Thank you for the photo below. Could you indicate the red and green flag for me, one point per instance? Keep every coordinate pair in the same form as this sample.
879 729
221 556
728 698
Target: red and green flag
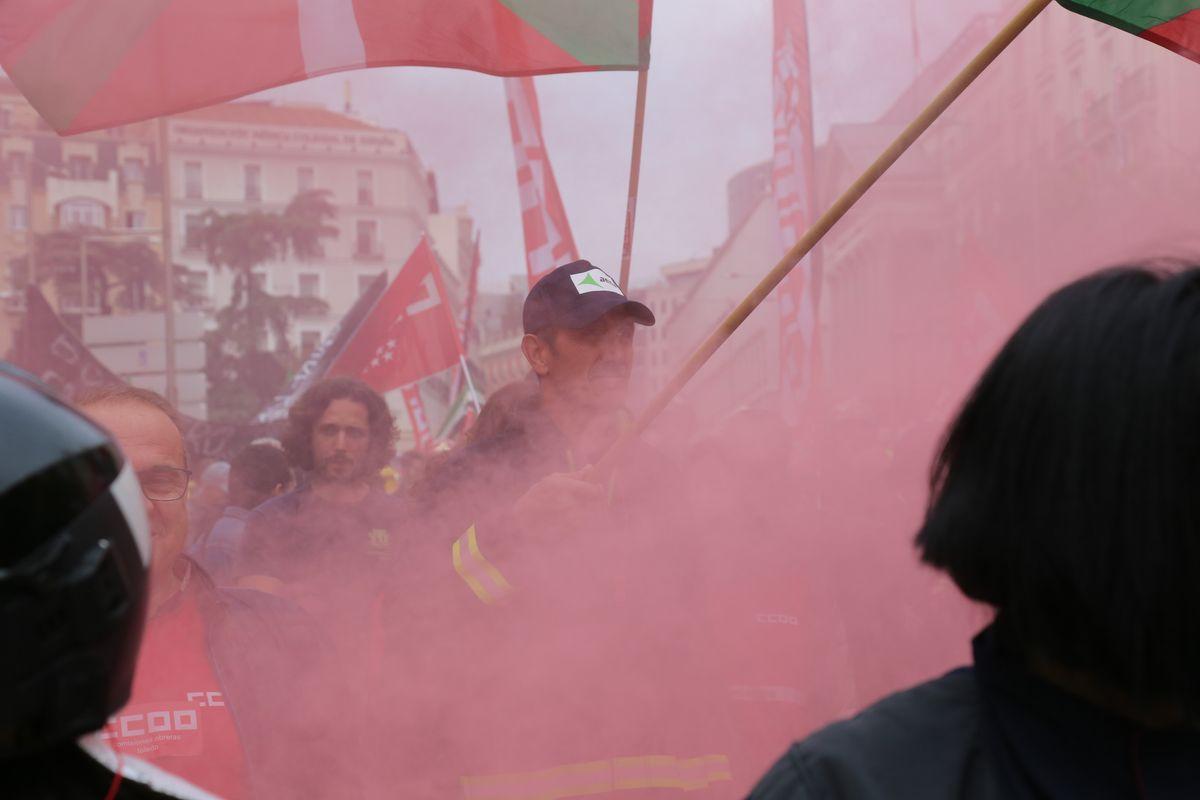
1174 24
88 64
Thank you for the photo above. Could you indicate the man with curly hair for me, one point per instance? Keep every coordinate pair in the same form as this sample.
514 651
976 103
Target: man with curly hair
338 526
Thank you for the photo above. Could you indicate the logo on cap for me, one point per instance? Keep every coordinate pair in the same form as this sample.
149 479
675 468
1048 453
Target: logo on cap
595 280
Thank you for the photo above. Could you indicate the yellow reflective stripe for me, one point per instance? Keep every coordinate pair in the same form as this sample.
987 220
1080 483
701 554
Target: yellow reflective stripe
599 777
488 584
456 554
489 568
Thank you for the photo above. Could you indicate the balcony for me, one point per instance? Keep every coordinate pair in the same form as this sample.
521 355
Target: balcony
104 190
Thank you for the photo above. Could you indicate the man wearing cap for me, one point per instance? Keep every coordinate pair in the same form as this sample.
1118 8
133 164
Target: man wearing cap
493 493
560 623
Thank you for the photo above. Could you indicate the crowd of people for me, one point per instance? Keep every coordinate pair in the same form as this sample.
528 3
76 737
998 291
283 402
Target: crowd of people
507 621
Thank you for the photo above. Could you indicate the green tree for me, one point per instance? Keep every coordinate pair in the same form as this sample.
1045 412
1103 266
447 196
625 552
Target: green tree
243 376
122 274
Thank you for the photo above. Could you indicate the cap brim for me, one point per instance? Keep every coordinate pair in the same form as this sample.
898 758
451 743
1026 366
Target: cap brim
603 302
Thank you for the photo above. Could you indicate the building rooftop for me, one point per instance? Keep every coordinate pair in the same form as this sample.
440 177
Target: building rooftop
261 112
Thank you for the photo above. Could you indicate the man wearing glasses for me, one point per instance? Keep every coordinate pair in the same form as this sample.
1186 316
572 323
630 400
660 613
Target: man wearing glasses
220 669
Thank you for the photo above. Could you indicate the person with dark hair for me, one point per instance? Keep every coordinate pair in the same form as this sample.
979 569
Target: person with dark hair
549 576
1064 497
220 669
256 474
338 523
523 469
207 499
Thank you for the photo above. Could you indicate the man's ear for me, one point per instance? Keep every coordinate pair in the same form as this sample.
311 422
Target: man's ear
537 352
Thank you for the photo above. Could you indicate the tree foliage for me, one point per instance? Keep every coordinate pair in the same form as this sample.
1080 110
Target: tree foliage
243 375
122 274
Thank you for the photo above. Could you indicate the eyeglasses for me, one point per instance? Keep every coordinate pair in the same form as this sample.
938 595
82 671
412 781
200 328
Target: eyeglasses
164 484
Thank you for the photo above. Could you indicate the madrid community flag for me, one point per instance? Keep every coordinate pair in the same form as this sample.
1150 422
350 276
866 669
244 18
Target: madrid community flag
792 181
88 64
409 335
1174 24
548 239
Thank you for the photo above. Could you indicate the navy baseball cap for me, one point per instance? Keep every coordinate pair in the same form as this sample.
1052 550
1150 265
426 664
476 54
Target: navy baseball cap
576 295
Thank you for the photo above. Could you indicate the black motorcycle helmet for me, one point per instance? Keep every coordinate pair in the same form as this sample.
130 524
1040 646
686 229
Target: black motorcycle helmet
74 554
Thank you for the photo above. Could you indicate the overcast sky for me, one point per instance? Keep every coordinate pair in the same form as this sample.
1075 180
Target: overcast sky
708 116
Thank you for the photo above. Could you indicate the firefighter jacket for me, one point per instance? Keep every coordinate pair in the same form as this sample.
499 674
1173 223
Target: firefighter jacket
568 661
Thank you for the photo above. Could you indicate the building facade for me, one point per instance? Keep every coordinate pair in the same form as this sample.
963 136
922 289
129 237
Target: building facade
108 182
236 158
249 157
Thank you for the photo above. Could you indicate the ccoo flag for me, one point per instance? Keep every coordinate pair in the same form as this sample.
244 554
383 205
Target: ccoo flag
548 239
1174 24
415 406
409 335
88 64
792 181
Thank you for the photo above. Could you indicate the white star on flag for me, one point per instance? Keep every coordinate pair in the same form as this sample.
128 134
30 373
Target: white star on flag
385 352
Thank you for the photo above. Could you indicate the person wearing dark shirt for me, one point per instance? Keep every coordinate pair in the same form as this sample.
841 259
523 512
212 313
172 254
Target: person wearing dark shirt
256 474
531 474
338 526
559 602
1064 497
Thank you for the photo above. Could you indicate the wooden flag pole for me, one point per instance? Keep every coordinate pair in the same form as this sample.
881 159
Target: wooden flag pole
635 173
164 136
822 226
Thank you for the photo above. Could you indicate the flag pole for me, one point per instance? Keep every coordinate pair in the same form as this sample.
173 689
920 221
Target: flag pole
168 263
635 164
824 224
635 174
462 360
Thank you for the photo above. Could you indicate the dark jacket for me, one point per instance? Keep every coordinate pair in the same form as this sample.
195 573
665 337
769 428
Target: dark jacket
267 656
591 673
992 731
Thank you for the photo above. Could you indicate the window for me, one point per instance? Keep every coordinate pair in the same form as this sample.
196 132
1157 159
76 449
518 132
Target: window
135 219
17 165
79 167
309 341
365 281
193 183
366 244
366 188
308 284
81 213
305 179
18 218
134 170
253 174
193 231
199 282
260 281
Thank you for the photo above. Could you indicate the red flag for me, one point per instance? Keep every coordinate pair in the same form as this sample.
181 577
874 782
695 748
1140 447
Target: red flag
410 333
415 406
87 64
792 177
548 240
